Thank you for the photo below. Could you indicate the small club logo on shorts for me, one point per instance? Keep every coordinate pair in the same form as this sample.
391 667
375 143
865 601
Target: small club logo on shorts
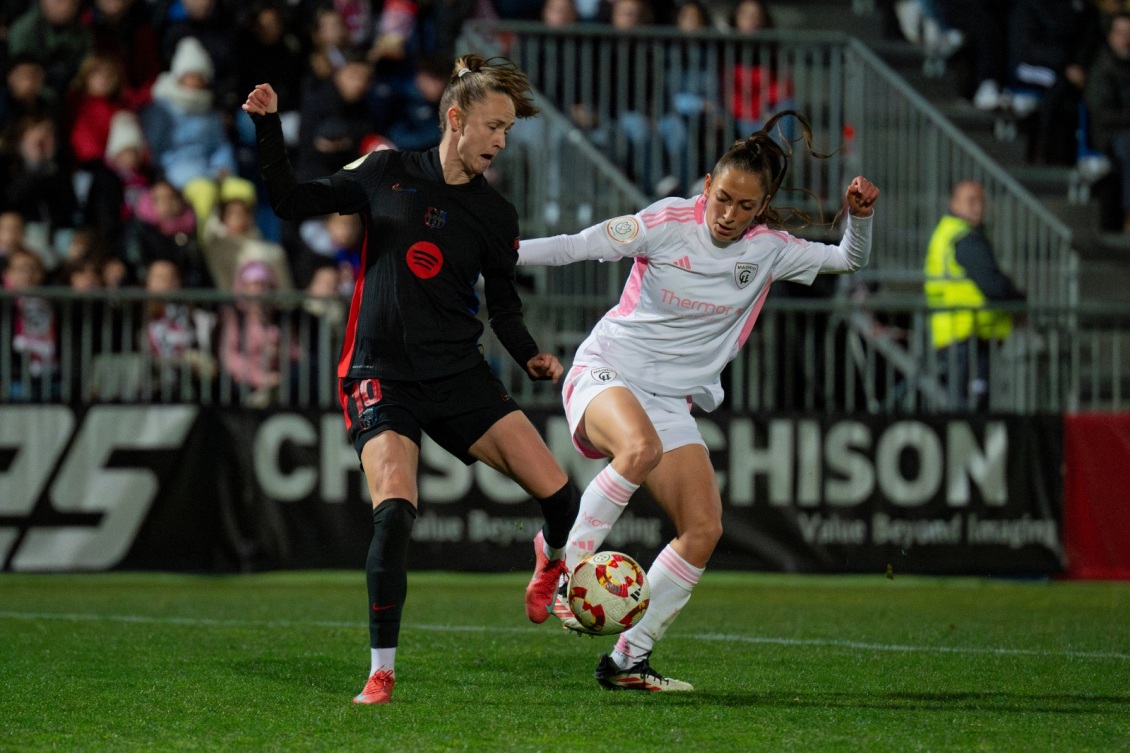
367 418
603 374
744 272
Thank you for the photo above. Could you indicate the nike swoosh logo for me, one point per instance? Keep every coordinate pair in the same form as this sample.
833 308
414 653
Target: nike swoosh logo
398 187
383 608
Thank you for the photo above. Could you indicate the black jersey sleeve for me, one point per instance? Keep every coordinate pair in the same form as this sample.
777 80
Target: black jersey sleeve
504 311
290 199
504 306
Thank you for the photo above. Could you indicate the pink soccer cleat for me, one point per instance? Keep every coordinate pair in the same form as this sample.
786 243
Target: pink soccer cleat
542 590
378 689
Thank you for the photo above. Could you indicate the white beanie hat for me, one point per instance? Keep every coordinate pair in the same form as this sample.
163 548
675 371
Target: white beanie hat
125 132
191 57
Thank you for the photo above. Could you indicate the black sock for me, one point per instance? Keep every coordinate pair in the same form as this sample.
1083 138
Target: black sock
559 511
386 569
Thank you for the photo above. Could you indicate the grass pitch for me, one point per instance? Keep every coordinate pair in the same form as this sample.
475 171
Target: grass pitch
140 662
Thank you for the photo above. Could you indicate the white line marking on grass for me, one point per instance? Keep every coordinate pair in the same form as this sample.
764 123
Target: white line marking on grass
720 637
895 647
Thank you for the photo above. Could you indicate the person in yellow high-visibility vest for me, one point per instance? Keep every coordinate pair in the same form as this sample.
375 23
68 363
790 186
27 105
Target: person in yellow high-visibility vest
962 277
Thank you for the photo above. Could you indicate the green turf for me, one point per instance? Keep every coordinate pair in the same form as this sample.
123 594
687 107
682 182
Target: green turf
129 662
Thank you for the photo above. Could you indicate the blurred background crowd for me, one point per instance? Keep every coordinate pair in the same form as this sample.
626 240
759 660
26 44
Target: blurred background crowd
127 163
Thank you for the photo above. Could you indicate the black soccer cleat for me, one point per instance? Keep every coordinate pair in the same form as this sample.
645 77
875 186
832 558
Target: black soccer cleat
639 676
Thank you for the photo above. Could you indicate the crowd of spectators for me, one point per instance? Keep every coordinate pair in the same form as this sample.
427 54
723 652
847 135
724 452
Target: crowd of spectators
1060 69
124 153
125 156
126 162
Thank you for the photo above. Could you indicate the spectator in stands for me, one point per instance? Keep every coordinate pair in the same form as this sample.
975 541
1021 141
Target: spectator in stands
116 184
321 323
34 365
760 89
335 118
93 98
177 346
557 73
360 23
326 302
166 229
208 22
83 274
36 182
1107 95
625 130
396 25
983 24
592 11
186 131
329 43
407 110
231 239
962 278
25 94
11 234
255 347
117 274
122 28
923 24
1052 43
335 240
53 31
267 49
696 123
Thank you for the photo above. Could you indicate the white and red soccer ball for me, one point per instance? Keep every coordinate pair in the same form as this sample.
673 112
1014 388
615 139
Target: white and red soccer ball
608 592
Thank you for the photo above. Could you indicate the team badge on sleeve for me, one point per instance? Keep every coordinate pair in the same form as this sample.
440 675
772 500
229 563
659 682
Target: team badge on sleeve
744 272
623 229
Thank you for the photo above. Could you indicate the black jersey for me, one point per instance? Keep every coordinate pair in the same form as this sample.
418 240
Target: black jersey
413 313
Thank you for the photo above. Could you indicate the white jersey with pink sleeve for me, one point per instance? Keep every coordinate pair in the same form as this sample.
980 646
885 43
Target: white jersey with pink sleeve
690 302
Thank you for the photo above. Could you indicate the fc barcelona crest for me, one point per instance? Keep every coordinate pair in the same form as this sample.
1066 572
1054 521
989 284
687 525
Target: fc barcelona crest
744 272
435 218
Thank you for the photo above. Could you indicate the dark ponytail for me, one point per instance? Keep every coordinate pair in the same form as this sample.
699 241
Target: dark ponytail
761 154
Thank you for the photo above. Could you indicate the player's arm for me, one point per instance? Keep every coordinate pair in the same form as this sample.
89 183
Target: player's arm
854 249
607 241
290 199
504 312
504 305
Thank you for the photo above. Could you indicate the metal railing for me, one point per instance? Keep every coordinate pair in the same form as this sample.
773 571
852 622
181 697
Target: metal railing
835 355
616 100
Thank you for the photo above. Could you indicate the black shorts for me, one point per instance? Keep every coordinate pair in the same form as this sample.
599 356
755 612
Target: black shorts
455 411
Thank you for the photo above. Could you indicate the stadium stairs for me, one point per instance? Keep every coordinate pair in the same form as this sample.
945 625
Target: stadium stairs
1104 273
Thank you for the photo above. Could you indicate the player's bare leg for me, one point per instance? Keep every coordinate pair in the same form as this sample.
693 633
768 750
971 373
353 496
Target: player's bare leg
684 485
514 447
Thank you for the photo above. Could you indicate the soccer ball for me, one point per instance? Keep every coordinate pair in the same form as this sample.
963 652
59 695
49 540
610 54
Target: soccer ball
608 593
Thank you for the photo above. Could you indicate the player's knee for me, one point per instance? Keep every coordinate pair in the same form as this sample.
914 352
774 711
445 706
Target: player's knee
641 456
712 533
702 537
390 480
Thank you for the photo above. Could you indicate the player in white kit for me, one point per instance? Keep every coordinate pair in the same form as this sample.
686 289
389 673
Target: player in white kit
702 269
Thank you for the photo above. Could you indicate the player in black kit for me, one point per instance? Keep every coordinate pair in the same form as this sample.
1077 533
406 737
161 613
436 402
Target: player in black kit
411 361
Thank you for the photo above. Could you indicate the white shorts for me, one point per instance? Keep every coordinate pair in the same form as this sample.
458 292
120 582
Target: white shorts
671 416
